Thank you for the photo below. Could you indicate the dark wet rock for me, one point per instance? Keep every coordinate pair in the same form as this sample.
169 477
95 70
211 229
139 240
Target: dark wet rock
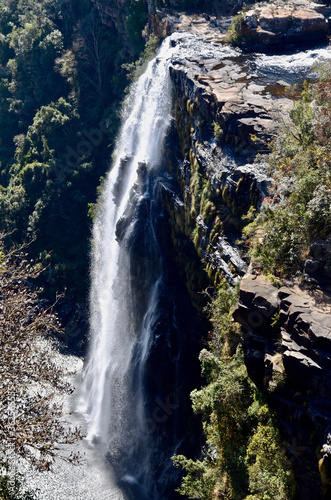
287 343
119 185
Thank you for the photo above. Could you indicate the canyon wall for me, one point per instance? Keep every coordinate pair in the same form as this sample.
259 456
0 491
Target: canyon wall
226 117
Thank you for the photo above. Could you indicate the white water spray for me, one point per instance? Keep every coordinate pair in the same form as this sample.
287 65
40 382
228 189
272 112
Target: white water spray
119 339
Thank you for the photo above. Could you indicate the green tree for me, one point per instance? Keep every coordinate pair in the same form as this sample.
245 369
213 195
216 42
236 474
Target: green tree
237 424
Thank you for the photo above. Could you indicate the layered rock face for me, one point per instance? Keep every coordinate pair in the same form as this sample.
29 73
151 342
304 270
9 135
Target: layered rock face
225 115
226 110
222 87
287 343
280 23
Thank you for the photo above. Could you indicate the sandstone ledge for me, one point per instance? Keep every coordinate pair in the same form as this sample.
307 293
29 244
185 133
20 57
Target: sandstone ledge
279 23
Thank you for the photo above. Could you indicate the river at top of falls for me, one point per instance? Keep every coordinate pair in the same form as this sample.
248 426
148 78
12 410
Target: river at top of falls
128 269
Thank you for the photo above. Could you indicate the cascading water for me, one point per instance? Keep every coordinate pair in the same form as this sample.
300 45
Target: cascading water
136 297
127 276
135 300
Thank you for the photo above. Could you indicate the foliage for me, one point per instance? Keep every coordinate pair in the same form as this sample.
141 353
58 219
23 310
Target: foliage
224 336
234 34
275 281
137 68
181 4
270 474
218 131
237 424
136 22
61 84
12 487
299 208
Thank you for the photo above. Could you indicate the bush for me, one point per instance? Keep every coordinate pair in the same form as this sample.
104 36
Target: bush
234 34
299 208
270 474
237 424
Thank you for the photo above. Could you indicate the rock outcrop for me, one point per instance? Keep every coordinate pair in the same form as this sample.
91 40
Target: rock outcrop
280 23
224 88
225 115
287 344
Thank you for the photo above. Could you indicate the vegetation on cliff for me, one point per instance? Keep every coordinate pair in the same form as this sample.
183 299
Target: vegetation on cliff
61 84
298 210
243 457
183 4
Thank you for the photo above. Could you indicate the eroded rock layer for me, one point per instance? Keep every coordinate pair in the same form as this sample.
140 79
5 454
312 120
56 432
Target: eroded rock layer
287 342
227 109
276 23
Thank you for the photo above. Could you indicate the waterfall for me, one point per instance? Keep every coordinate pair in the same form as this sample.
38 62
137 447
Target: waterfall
127 276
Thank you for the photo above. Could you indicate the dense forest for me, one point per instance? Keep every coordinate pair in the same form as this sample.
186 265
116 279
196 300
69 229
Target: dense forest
61 86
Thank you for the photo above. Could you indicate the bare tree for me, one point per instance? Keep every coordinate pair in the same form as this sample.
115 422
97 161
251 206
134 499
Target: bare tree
31 422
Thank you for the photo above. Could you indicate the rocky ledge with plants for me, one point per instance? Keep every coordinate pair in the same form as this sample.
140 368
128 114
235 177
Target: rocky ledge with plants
274 212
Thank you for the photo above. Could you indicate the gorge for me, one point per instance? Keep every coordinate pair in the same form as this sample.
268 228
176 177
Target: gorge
207 357
129 296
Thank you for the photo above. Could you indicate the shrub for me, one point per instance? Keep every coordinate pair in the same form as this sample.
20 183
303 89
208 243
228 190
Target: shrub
234 34
299 208
270 474
237 424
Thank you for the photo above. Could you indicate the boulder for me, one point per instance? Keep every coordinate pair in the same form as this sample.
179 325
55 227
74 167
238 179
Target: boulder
279 23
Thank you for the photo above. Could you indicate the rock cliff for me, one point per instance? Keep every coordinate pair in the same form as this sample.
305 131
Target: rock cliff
281 23
226 109
287 343
226 113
